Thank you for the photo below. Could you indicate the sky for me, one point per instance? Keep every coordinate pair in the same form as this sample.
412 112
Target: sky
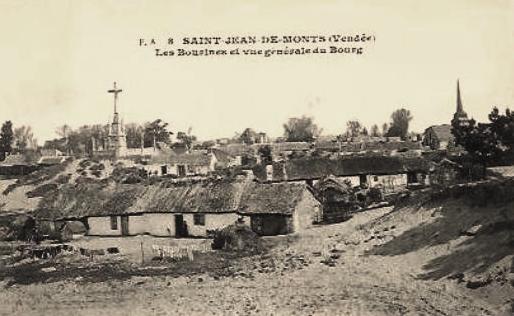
59 58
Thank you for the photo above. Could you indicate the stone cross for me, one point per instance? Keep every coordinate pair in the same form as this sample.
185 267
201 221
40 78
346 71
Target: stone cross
115 91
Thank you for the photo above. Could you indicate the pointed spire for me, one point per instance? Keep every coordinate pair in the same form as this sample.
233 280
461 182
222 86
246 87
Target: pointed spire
460 109
460 116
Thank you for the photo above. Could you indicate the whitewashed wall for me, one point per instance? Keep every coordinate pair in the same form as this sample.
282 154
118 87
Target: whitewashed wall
101 226
212 221
156 169
160 224
389 182
307 212
353 179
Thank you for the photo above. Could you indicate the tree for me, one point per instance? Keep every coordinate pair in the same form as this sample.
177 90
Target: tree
400 123
186 138
6 139
134 133
157 131
353 128
364 131
24 138
503 126
57 143
486 143
265 154
99 133
385 128
375 131
63 130
301 129
249 136
479 140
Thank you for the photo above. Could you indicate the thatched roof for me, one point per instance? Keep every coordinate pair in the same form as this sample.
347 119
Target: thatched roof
96 199
443 132
51 160
272 198
317 167
222 156
217 196
192 159
238 149
15 160
199 158
368 146
287 146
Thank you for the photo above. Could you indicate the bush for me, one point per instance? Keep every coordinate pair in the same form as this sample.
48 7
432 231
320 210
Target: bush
375 195
17 227
42 190
97 167
238 238
129 175
63 178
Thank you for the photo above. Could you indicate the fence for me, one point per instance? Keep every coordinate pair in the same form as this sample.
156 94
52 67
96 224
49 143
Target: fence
177 252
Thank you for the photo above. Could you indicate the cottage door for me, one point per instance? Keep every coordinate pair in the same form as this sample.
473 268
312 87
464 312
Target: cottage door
179 225
124 225
181 170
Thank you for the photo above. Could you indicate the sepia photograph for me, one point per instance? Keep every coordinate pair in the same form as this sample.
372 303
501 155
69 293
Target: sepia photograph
334 157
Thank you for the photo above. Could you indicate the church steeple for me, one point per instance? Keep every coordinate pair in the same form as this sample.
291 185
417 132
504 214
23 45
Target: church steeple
460 109
460 115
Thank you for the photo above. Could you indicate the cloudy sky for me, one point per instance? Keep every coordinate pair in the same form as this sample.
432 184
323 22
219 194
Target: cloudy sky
59 57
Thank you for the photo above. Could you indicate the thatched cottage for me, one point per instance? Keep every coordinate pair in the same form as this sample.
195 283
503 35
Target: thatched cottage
183 165
125 210
391 173
438 137
17 165
279 208
182 210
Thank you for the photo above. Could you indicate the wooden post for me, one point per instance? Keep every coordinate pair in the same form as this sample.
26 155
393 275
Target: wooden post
190 253
142 254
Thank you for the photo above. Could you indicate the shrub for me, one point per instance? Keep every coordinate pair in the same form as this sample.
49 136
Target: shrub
97 167
375 195
17 227
237 238
129 175
63 178
42 190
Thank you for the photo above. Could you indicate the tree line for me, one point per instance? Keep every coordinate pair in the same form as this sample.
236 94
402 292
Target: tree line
16 139
489 143
304 129
89 138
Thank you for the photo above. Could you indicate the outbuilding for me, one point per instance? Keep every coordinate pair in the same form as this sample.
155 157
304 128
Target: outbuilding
280 208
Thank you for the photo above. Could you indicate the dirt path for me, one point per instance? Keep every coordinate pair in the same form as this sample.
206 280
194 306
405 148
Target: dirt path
352 284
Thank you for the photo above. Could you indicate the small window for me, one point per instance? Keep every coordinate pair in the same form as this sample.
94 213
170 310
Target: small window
114 222
375 178
199 219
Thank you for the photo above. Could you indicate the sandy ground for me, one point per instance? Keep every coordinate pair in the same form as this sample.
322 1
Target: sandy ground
333 274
